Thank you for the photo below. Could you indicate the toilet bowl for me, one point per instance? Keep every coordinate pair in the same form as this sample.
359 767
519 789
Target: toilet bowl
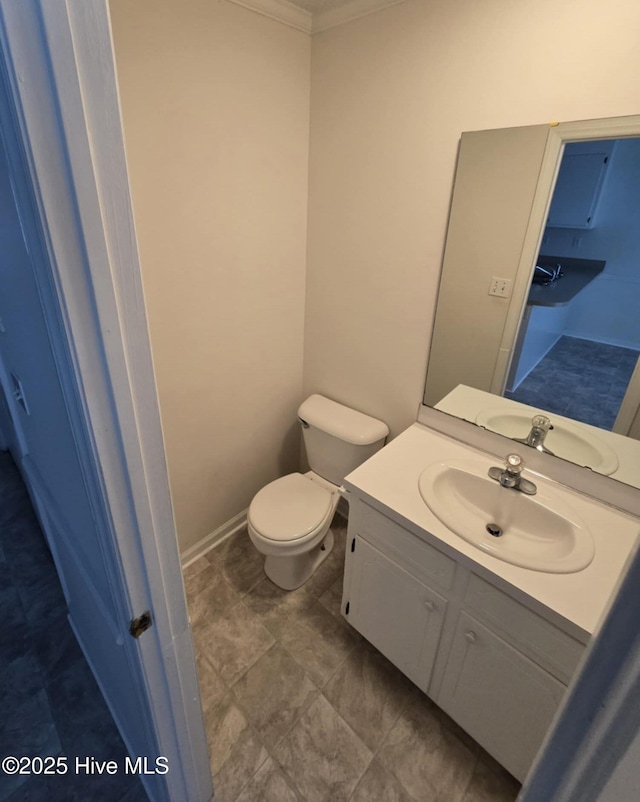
288 522
289 519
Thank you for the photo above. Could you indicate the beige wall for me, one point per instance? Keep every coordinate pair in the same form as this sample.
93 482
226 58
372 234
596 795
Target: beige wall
216 117
391 94
215 103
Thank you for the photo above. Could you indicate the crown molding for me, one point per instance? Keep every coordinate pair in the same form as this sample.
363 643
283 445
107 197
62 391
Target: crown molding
295 17
348 12
280 11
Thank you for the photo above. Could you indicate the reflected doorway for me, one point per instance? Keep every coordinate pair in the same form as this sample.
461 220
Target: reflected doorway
579 339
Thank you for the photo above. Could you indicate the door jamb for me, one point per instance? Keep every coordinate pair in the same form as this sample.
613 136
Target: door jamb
61 77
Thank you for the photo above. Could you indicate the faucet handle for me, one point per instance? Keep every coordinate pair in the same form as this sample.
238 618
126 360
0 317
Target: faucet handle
514 464
541 422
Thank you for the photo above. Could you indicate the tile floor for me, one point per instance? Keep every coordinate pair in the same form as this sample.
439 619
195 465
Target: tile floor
49 699
580 379
300 708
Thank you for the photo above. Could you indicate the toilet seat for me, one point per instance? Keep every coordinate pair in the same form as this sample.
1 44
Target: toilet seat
291 509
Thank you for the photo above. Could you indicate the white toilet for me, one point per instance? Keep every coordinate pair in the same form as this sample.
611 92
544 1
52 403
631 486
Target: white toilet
289 519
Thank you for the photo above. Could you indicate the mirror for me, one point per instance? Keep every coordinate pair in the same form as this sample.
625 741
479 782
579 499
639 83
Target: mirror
539 292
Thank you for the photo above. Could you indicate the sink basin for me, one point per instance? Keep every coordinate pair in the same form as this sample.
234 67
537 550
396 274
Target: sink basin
574 443
539 532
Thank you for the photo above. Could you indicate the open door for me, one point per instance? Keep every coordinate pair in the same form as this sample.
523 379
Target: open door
93 456
628 418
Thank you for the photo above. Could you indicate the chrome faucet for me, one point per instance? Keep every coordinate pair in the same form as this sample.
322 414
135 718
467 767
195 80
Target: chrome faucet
510 475
540 426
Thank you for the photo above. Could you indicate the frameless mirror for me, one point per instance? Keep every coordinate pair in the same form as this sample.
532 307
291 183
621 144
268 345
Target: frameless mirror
538 304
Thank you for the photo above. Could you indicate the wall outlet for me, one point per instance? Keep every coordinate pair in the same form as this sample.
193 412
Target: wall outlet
501 287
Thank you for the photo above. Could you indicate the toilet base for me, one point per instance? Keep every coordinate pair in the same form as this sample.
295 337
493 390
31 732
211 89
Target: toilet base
290 573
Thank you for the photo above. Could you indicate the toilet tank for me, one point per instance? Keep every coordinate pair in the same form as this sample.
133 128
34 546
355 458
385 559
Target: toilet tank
337 438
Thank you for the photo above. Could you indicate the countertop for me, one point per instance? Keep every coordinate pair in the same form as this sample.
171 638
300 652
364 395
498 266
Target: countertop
577 273
389 482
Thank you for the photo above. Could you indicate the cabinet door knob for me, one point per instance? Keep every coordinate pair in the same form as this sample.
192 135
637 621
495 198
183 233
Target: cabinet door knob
430 606
470 636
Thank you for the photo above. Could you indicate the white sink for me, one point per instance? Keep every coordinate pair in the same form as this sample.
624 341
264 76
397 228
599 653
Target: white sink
539 532
574 443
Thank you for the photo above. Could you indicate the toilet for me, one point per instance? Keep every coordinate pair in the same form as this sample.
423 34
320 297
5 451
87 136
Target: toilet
289 519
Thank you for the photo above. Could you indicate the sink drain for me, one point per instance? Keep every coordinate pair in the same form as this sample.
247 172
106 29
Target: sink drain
494 530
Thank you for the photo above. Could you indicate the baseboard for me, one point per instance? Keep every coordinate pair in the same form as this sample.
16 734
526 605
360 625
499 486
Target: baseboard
229 528
208 542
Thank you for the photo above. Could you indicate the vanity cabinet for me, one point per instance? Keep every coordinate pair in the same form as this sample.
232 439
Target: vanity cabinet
498 668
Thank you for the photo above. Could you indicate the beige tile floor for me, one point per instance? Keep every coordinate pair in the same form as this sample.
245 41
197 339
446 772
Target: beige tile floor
299 707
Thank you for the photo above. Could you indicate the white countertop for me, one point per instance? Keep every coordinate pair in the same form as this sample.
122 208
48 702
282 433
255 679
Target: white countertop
390 478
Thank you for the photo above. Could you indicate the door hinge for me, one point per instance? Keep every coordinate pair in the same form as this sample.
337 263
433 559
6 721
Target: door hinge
346 609
140 624
353 544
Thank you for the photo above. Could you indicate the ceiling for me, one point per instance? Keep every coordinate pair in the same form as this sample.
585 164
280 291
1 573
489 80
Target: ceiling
312 16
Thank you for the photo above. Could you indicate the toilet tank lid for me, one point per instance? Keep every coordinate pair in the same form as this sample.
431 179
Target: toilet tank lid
342 422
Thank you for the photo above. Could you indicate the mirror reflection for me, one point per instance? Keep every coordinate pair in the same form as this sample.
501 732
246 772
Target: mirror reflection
574 355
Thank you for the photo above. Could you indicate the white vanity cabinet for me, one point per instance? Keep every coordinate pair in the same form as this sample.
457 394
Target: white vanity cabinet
498 668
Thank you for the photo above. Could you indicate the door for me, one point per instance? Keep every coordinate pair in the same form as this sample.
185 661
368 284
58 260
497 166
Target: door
396 612
84 397
500 697
53 470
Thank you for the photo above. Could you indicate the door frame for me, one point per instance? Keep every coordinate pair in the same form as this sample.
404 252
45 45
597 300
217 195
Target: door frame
58 66
559 135
629 410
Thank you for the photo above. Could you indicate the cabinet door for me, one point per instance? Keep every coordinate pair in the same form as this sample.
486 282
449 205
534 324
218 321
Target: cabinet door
500 697
395 612
577 190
